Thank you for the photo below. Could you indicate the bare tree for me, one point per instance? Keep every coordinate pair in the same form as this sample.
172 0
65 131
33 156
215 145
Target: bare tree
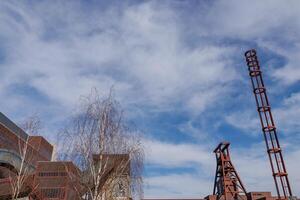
31 125
108 152
22 175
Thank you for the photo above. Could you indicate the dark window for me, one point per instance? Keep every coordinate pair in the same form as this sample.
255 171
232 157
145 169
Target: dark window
52 192
53 174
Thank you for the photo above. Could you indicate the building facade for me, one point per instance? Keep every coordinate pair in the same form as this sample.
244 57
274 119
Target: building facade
28 158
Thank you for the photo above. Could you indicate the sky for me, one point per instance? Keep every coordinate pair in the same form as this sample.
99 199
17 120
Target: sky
178 70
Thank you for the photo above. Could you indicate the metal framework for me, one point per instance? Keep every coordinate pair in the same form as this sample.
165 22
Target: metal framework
274 150
228 184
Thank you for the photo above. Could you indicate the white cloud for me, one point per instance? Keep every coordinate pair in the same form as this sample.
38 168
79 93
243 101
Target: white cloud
292 163
197 183
274 25
190 129
255 170
290 73
255 19
285 116
177 186
246 120
288 114
177 155
139 50
253 167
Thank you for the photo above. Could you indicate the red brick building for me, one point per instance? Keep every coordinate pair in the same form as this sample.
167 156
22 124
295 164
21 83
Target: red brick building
30 156
44 179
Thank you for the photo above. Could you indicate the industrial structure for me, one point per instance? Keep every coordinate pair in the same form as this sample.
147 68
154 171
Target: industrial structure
228 185
274 150
28 159
227 181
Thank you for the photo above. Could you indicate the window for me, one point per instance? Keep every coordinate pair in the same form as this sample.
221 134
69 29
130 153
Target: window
53 192
53 174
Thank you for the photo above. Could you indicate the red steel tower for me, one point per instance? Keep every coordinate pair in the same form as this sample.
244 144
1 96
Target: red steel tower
274 150
228 184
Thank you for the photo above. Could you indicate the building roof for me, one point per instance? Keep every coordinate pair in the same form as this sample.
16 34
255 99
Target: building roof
12 126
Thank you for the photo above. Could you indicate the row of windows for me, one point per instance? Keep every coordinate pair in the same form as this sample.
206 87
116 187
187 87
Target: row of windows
53 174
53 193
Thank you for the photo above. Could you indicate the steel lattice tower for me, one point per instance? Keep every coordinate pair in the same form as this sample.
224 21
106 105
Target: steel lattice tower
274 150
228 184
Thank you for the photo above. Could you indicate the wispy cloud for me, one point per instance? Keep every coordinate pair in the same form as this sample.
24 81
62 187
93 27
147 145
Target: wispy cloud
177 186
246 120
177 155
183 60
139 49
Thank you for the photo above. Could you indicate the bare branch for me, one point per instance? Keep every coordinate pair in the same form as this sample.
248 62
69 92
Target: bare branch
26 153
105 148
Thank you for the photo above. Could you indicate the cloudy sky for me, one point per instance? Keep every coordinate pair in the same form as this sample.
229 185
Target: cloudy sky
178 70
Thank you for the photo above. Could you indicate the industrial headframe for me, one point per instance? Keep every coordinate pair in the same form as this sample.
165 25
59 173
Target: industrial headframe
274 150
228 184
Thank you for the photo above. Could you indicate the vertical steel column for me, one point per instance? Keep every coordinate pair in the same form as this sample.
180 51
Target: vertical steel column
274 150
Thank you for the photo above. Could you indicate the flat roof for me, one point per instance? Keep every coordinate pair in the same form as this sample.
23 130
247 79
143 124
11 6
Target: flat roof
5 121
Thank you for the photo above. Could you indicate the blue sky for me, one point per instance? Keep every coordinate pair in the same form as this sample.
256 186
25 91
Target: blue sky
178 70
